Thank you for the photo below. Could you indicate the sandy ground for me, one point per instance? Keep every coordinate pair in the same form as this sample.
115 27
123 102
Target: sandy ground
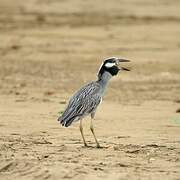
48 49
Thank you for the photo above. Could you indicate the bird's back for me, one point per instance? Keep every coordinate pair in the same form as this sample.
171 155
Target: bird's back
82 103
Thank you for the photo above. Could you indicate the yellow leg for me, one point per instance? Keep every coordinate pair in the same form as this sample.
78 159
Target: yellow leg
81 130
92 130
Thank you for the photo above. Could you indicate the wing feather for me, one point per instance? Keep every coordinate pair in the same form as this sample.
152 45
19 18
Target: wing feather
81 103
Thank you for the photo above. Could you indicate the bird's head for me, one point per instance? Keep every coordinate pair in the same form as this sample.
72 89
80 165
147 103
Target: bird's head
111 65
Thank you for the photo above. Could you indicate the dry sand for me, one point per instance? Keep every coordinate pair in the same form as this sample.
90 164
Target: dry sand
48 49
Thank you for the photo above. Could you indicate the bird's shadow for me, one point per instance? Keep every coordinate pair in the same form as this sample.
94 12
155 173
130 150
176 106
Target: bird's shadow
90 145
94 147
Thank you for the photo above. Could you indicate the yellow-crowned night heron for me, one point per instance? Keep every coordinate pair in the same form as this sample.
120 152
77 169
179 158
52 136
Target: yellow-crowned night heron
86 100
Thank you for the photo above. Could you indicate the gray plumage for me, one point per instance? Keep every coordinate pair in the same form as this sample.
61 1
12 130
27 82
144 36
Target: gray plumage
82 103
86 100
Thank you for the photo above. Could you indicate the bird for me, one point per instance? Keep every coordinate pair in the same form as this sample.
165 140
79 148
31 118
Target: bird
85 101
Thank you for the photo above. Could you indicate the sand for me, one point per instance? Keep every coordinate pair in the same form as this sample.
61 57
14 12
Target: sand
49 49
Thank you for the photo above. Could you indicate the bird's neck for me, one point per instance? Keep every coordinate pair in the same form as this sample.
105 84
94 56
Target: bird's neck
104 79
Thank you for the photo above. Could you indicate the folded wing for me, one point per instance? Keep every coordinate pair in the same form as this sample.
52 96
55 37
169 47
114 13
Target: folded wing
81 103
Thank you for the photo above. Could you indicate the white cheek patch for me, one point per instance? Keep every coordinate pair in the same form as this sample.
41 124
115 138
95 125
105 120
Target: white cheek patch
109 64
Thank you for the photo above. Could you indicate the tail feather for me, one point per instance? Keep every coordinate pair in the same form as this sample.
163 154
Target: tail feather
66 121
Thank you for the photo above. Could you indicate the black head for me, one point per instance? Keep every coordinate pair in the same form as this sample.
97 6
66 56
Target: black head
111 65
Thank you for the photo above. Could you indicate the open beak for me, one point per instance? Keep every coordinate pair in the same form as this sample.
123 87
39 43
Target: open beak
123 60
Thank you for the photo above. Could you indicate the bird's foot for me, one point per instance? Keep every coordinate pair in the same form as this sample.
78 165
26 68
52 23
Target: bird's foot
98 145
85 145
